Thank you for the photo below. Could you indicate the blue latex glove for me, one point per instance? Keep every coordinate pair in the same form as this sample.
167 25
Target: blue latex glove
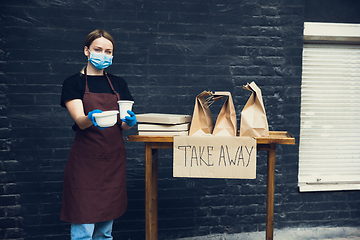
92 118
130 121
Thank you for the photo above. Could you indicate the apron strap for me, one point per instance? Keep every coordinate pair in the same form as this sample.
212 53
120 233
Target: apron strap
86 85
111 86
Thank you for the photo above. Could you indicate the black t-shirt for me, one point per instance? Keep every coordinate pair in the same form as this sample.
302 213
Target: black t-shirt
74 87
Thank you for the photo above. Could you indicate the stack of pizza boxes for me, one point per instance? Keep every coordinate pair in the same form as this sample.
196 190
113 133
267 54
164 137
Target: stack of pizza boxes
160 124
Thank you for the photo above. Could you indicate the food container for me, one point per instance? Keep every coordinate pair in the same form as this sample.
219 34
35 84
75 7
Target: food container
124 106
106 118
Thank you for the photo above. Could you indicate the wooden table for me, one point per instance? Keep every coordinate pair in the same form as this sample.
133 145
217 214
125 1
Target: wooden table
153 143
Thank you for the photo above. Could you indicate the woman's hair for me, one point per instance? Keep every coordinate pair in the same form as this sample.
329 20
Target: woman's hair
98 33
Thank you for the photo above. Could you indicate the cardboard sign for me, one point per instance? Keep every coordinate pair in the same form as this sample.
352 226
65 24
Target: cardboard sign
214 157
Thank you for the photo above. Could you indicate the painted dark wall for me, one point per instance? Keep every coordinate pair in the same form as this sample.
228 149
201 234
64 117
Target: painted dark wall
338 11
168 51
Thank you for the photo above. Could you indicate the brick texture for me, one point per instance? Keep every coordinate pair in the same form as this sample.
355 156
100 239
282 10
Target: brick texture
168 51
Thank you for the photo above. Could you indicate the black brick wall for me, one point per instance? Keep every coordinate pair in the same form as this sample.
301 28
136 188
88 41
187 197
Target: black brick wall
168 51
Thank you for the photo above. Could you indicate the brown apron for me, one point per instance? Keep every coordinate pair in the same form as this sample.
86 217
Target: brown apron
94 188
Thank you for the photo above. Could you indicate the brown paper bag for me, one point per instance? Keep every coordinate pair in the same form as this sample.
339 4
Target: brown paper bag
253 116
226 123
202 121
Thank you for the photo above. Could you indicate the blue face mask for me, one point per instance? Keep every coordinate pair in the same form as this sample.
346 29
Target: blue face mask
100 60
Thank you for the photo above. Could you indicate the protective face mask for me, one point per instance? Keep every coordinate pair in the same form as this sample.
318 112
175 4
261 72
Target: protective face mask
100 60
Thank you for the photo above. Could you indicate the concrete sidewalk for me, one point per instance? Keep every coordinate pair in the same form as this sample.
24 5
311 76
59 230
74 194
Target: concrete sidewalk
318 233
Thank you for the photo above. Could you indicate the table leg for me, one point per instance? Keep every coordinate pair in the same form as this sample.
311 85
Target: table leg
151 192
270 192
154 195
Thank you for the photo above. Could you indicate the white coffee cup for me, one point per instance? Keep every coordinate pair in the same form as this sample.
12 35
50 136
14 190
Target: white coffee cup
125 105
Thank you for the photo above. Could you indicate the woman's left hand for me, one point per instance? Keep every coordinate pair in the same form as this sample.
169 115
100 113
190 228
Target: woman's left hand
130 121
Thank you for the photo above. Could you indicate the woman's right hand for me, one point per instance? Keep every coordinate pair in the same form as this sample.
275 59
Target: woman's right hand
92 118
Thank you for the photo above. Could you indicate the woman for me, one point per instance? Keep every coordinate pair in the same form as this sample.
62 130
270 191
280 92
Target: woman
94 188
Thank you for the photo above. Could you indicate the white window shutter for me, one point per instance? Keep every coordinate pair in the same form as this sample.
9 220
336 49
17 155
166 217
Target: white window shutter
329 151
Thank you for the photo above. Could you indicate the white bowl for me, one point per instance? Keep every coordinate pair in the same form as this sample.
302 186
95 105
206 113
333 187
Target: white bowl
106 118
